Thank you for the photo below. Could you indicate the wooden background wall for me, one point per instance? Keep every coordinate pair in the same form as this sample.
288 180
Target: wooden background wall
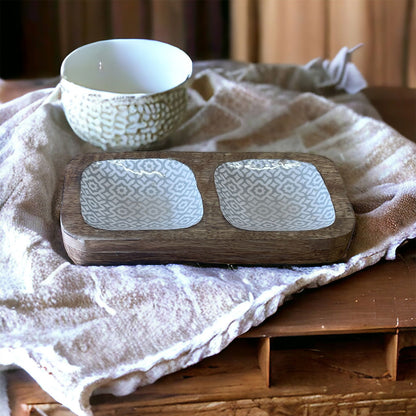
296 31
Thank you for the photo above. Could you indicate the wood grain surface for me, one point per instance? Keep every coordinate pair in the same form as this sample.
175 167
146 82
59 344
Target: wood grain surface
311 376
381 298
213 239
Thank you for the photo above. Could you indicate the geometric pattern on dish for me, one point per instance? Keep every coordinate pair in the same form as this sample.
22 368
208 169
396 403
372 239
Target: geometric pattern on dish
140 194
122 122
273 195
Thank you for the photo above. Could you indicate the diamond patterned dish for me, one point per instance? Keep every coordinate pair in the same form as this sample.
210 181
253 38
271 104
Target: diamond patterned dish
140 194
273 195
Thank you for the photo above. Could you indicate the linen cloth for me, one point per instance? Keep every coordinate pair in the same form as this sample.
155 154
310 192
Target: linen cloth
79 330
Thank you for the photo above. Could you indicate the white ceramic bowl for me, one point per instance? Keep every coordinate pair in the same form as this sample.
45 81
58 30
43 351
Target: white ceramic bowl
125 94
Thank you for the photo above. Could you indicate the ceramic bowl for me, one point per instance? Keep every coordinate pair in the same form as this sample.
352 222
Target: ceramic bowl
273 195
125 94
140 194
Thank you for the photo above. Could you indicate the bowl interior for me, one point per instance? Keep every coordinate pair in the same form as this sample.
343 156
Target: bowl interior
140 194
128 66
273 195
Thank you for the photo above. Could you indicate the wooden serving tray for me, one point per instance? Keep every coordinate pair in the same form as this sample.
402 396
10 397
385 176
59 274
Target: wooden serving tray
214 208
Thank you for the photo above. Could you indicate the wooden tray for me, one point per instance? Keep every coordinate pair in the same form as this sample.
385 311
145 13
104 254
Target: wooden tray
216 232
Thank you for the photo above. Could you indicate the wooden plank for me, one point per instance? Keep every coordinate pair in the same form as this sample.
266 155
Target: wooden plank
392 353
336 370
168 22
244 30
339 371
291 31
357 404
380 26
348 26
397 107
50 410
321 366
355 355
411 47
71 27
23 390
76 28
360 303
38 48
264 359
234 373
130 19
96 11
295 31
406 339
395 342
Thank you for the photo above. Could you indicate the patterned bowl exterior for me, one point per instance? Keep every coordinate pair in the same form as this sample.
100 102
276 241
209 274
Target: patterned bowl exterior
273 195
122 122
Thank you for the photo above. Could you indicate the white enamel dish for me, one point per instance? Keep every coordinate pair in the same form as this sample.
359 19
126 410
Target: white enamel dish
273 195
140 194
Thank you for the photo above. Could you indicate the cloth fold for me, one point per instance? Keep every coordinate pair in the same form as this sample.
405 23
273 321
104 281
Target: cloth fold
83 330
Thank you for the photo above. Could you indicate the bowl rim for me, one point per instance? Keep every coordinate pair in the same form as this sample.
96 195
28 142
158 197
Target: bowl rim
89 90
119 95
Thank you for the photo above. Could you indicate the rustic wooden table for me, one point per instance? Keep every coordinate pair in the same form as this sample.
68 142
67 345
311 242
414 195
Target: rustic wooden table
348 348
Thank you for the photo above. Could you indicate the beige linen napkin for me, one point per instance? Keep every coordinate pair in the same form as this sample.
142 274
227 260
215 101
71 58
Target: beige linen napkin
78 329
